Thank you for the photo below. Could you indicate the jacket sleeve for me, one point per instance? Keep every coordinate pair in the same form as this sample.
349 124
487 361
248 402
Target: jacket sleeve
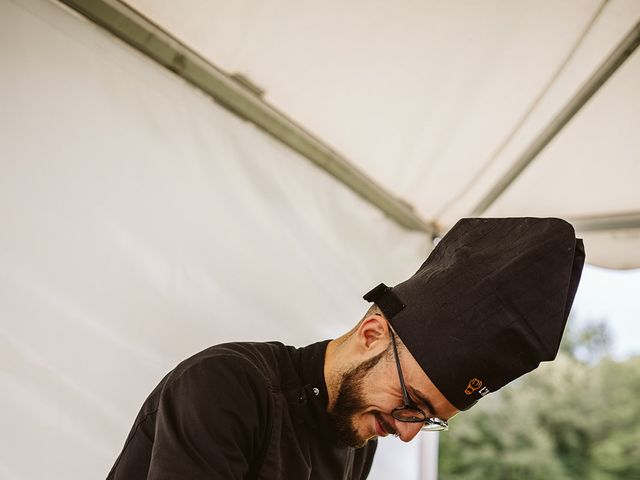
211 421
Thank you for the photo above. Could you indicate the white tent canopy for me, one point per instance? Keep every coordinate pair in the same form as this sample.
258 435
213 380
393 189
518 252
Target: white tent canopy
142 221
436 101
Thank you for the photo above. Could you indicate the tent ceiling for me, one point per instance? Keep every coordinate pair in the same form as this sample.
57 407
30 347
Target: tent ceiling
435 100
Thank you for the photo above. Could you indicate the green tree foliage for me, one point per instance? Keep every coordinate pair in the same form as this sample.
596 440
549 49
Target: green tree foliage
575 418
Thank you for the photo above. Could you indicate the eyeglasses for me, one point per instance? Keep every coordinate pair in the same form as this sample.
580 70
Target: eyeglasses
410 412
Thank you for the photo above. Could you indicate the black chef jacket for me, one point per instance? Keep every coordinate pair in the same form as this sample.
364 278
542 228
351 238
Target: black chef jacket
241 411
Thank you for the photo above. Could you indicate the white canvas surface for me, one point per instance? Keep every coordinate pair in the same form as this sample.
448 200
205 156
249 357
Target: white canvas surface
140 223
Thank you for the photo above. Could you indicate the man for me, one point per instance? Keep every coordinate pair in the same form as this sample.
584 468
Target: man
488 304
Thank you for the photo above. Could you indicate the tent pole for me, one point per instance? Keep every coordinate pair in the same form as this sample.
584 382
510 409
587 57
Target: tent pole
236 95
623 51
429 443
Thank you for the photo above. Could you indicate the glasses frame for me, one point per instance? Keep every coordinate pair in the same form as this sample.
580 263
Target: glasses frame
416 414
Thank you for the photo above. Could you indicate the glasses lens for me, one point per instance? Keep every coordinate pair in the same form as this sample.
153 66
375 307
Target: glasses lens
435 425
408 414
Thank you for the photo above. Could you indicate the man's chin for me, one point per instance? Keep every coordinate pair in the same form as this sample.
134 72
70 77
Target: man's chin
357 442
347 435
352 439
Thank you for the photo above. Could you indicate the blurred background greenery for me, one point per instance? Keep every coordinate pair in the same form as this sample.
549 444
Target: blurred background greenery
575 418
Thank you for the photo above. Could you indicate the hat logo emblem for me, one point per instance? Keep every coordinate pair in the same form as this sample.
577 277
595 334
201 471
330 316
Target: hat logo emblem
474 384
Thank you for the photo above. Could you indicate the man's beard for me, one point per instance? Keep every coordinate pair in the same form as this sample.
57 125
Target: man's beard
350 402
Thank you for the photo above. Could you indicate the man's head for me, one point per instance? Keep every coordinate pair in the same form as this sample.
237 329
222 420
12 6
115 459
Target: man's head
488 304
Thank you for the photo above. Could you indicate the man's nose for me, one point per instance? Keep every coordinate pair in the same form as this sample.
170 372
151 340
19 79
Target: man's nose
407 431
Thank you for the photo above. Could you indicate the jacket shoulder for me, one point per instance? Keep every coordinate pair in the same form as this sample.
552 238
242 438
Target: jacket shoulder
262 361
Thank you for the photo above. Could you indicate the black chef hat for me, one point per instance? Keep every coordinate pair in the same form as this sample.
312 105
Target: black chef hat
489 303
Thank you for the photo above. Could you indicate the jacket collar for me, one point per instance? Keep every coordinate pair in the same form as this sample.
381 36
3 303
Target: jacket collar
314 397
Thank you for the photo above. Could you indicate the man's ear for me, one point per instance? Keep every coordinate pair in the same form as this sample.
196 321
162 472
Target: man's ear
373 333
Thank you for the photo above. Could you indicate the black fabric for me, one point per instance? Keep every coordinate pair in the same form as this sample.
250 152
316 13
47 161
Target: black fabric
384 297
241 411
489 303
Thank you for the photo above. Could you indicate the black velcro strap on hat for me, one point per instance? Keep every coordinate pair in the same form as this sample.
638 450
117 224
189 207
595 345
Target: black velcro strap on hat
386 300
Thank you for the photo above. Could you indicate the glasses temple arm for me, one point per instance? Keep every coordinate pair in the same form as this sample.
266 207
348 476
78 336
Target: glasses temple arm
405 395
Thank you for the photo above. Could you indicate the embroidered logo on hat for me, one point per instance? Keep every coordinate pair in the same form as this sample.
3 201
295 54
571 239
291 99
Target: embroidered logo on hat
474 384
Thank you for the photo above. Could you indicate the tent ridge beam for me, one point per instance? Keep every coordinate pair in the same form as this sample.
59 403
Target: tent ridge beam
139 32
613 221
617 57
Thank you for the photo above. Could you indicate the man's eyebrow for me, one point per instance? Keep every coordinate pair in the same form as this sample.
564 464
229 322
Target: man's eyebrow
422 398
